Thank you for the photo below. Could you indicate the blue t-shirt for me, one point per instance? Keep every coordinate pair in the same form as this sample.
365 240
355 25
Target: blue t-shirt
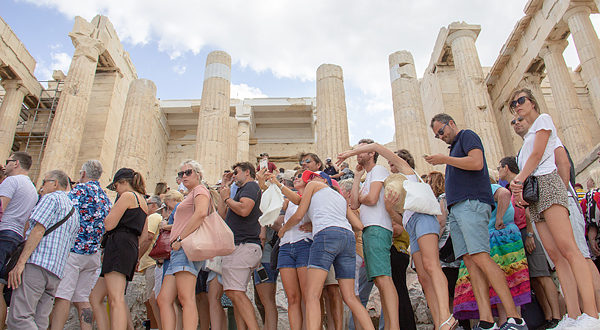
462 184
509 215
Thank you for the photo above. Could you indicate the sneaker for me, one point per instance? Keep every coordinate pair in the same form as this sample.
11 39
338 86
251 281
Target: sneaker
585 321
566 323
477 327
511 324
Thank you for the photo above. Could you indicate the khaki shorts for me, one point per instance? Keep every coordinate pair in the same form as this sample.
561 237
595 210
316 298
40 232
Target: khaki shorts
149 288
80 276
330 279
238 266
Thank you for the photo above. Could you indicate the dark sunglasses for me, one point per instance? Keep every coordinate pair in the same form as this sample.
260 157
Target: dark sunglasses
10 160
50 180
520 101
235 172
440 131
306 161
514 121
186 172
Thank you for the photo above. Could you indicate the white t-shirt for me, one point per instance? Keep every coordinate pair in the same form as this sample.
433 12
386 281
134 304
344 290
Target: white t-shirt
328 209
295 234
547 165
375 215
407 213
23 198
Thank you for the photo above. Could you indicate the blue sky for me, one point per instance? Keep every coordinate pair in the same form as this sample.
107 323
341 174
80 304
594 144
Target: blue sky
275 45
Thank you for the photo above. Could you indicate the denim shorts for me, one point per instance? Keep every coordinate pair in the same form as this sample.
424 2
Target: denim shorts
334 246
294 255
418 225
180 263
469 227
377 242
8 242
270 272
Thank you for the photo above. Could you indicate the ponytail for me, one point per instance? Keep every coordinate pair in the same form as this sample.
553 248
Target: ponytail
137 183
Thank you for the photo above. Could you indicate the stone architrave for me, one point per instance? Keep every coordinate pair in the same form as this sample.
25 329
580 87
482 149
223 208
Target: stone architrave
571 116
243 141
332 119
211 149
68 124
9 114
411 128
134 136
588 50
477 105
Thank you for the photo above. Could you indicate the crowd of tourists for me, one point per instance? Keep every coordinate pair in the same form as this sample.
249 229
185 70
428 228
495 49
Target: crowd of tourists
511 248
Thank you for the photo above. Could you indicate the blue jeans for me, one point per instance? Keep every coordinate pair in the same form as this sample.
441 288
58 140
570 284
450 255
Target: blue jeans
334 246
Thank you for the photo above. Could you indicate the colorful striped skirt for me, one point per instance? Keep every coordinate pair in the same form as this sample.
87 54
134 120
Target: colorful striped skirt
506 249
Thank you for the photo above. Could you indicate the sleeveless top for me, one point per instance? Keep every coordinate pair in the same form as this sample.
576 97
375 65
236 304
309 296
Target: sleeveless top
328 209
295 234
132 220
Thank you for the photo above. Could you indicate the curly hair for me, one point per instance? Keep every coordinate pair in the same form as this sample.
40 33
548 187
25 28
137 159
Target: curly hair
436 181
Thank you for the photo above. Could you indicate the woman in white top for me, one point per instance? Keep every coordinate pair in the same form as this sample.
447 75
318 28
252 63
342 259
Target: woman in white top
423 230
294 249
550 212
333 244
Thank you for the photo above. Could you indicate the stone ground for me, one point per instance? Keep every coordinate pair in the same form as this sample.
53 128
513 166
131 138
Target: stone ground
422 315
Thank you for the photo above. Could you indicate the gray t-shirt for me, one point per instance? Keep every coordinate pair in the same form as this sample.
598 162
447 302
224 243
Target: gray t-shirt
23 198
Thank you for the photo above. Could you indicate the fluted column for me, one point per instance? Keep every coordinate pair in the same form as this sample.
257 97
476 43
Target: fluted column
211 146
66 133
243 141
576 136
411 128
588 50
9 114
134 136
477 105
332 119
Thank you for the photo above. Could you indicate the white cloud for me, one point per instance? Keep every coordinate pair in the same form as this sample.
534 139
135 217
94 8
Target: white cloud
179 69
59 61
243 91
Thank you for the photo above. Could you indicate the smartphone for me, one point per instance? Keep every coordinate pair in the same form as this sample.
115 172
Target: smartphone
263 276
425 155
264 163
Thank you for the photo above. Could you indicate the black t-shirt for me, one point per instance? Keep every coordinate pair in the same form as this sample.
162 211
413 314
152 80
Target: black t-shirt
330 170
246 229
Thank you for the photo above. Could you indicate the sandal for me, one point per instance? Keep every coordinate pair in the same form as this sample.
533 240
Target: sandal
452 325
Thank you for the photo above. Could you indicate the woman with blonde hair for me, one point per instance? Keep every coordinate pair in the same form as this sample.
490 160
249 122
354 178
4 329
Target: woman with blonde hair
550 211
180 276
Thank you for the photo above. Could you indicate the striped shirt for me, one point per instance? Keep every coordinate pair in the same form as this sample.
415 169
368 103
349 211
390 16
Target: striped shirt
53 250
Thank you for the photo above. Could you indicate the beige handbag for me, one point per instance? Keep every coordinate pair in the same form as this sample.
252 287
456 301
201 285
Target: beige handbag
213 238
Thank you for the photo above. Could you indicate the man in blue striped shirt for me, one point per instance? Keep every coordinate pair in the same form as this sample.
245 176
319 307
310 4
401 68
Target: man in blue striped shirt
40 267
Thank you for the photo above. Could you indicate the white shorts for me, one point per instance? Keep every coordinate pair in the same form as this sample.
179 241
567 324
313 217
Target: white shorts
578 224
358 265
80 276
158 278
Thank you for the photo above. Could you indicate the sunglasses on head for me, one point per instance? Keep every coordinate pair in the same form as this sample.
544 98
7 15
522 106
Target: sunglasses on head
514 121
440 131
306 161
519 101
186 172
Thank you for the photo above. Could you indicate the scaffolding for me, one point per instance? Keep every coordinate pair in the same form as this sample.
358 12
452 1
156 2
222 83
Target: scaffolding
34 125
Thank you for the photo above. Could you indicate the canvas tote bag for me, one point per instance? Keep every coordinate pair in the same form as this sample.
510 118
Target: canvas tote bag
420 197
213 238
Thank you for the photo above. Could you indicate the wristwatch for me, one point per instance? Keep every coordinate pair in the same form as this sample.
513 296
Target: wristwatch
178 239
529 234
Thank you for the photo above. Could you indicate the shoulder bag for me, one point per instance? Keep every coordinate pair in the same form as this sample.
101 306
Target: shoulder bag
420 197
531 192
212 238
13 257
162 247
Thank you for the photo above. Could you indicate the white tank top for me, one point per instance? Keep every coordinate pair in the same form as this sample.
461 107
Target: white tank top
295 234
328 209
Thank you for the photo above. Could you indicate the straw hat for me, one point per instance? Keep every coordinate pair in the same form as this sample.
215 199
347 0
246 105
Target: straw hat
394 183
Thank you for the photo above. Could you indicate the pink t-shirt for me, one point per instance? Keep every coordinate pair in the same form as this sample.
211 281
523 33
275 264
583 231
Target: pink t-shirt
520 217
185 210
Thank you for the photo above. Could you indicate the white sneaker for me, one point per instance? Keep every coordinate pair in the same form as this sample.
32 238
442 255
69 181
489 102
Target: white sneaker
585 321
566 323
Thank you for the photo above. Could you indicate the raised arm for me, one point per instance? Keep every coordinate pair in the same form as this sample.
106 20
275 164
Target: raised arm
383 151
310 189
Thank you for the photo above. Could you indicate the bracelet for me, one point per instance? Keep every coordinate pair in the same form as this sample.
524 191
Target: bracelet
529 234
225 200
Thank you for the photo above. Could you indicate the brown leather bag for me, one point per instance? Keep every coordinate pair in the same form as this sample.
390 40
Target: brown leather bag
162 247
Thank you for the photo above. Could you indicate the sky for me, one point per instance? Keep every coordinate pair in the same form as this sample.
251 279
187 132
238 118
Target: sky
276 46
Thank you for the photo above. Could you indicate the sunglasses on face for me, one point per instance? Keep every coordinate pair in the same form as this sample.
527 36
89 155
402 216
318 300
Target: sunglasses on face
514 121
10 160
306 161
519 101
440 131
186 172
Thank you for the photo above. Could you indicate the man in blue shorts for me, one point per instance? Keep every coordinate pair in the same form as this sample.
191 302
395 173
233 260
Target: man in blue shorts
470 201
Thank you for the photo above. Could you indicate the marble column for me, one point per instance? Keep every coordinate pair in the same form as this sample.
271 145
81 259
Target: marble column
68 124
9 114
411 127
588 50
571 118
332 119
211 149
133 148
478 113
232 140
243 141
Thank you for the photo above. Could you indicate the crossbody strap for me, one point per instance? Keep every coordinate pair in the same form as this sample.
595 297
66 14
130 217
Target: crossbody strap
58 224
